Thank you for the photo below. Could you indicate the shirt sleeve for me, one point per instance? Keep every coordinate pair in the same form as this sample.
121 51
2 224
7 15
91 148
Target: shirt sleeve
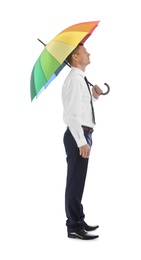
73 98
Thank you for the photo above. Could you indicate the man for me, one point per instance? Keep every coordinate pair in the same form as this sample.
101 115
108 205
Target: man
80 121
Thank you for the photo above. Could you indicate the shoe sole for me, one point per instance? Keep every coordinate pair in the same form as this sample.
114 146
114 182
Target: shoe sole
86 238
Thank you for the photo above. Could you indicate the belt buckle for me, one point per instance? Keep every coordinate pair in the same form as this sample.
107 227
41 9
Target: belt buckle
89 129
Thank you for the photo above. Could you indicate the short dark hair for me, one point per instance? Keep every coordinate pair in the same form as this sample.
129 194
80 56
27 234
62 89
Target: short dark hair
69 58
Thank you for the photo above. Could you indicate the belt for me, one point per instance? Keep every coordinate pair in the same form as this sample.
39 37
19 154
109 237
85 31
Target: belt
88 129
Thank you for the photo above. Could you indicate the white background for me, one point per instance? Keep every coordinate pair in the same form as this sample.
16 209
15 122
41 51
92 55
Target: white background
32 156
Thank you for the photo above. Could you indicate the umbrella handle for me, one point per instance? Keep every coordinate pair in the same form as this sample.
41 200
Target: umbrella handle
103 93
108 89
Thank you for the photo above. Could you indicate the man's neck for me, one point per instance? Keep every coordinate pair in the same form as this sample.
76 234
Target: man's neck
78 66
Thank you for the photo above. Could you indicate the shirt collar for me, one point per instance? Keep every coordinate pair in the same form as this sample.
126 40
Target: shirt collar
81 72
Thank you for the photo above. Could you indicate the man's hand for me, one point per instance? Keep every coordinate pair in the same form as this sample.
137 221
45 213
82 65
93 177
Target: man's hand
84 151
96 91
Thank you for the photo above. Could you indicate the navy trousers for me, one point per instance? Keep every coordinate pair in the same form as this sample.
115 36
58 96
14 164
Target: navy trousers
75 182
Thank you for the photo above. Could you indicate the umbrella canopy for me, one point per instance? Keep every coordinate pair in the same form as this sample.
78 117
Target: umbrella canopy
52 59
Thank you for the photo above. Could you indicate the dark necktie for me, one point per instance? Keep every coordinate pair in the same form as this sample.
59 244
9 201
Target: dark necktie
90 99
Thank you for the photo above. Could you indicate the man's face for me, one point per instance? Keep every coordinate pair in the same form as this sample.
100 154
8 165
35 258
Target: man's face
83 57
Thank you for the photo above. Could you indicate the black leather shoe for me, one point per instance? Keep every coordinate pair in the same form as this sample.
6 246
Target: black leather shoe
82 234
89 228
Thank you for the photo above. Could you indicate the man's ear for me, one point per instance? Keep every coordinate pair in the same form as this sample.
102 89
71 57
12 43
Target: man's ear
74 56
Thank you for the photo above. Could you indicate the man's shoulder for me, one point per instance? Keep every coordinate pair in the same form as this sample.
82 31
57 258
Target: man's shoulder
75 73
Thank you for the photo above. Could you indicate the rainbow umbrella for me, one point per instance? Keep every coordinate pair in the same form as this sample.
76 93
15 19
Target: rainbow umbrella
53 58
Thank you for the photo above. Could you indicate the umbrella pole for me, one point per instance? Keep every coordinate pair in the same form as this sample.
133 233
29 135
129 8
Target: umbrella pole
67 63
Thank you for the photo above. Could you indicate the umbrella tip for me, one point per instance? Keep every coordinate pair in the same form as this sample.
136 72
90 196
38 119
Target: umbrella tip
41 41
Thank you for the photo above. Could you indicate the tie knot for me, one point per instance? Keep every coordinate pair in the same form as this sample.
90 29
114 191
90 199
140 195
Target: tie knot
87 82
86 79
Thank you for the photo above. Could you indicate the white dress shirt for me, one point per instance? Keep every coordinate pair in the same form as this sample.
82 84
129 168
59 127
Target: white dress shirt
76 105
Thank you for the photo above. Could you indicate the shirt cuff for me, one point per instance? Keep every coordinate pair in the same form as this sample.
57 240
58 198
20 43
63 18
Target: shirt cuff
78 136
